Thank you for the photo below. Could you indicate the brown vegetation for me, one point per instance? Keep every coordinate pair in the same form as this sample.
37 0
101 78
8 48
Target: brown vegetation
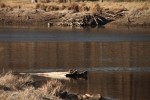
19 87
27 87
95 8
13 12
2 5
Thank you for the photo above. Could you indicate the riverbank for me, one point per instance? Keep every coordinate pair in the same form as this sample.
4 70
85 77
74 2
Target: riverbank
23 87
75 13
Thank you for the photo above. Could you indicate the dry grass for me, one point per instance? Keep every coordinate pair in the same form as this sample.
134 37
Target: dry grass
13 82
43 11
95 8
2 5
16 1
76 6
41 6
128 5
83 7
47 7
52 87
15 87
144 7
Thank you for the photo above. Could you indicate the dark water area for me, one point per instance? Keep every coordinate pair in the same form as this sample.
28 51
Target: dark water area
117 60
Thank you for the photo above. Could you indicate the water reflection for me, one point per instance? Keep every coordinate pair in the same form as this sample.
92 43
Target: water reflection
54 55
118 65
120 86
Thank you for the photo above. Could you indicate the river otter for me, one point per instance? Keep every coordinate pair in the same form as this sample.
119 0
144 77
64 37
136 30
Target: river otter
76 75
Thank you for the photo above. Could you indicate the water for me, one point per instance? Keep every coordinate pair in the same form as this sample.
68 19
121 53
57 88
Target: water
118 59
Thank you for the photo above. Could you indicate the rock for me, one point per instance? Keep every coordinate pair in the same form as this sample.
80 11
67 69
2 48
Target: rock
87 96
68 96
103 98
92 97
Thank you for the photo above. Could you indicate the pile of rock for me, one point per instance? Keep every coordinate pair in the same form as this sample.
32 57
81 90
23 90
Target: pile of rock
69 96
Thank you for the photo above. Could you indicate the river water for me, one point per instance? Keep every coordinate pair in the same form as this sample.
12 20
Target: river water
117 59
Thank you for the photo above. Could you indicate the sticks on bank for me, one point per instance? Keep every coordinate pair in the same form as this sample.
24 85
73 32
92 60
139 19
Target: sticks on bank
84 20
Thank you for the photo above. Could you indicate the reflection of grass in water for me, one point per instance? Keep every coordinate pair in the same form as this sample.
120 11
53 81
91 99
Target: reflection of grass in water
22 88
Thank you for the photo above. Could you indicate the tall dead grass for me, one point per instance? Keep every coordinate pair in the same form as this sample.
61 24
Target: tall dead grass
13 82
76 6
95 8
47 7
16 87
16 1
53 87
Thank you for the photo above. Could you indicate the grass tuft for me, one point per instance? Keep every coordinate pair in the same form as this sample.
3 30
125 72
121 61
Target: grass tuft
74 6
13 82
41 6
95 8
83 7
52 87
144 7
47 7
